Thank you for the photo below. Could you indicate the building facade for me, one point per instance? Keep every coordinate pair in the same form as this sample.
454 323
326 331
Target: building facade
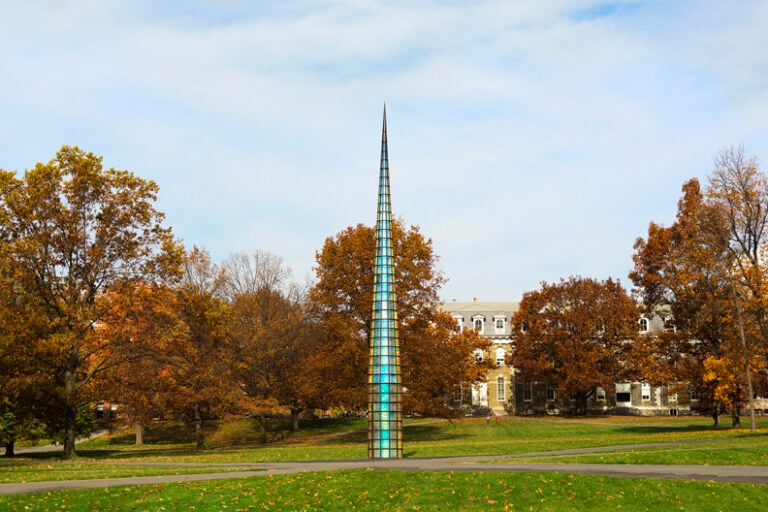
505 390
493 320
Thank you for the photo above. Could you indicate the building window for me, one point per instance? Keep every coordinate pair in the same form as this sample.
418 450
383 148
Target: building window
459 323
499 324
478 355
501 389
458 393
669 324
500 357
623 394
694 394
527 394
550 393
479 323
600 394
643 325
646 392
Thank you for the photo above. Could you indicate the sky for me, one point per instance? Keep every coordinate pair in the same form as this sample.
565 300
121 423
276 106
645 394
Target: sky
529 140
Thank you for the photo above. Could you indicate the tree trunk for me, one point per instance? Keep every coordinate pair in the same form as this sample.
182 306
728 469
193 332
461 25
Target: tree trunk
262 429
139 430
735 417
199 434
716 419
581 400
70 415
9 449
294 420
747 370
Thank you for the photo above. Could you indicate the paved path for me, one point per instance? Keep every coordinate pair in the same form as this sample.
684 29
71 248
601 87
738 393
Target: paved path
19 450
749 474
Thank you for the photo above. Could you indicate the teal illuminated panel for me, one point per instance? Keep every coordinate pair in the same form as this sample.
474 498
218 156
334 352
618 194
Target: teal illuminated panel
385 425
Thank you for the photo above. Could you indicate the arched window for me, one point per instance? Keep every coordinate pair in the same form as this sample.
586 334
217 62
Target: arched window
644 324
478 355
478 322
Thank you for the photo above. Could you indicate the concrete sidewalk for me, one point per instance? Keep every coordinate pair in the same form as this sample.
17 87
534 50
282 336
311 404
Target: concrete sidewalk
56 447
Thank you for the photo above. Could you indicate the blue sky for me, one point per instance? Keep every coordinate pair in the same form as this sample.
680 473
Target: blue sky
530 140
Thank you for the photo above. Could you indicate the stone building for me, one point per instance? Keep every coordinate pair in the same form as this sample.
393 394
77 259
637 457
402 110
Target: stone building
493 321
506 392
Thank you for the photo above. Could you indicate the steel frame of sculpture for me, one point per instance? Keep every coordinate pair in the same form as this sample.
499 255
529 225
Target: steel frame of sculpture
385 420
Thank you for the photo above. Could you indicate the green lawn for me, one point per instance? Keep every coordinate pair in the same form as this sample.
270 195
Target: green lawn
346 438
400 491
742 450
113 456
79 470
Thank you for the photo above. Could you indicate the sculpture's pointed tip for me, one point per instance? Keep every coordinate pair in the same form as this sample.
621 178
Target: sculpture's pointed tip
384 124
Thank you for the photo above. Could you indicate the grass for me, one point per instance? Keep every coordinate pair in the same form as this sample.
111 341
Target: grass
231 442
85 470
398 491
345 438
743 451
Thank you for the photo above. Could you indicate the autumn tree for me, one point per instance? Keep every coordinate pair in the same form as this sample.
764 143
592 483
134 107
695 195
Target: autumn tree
576 335
150 323
343 298
705 270
72 233
271 338
683 270
431 342
739 191
195 372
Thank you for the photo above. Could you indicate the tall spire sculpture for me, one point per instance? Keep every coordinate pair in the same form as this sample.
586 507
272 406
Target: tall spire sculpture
385 419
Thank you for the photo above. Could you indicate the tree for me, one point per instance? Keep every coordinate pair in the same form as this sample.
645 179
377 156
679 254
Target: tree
195 369
706 279
73 233
576 335
343 298
437 359
740 192
683 270
270 335
149 322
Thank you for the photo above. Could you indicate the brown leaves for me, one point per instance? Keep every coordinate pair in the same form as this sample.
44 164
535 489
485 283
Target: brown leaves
577 333
436 360
343 298
75 235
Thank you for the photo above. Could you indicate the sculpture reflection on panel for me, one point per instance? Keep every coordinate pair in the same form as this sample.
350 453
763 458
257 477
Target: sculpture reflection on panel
385 424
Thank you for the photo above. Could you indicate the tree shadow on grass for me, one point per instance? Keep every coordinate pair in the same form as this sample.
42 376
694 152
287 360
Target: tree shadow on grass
668 429
356 437
155 434
436 432
101 454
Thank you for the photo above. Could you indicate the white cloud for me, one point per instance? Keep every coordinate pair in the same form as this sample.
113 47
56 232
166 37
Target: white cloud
530 140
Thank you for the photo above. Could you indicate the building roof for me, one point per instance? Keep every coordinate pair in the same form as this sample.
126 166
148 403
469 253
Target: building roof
480 307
